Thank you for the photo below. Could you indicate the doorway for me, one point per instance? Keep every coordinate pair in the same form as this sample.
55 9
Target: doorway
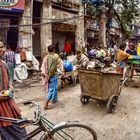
8 33
37 6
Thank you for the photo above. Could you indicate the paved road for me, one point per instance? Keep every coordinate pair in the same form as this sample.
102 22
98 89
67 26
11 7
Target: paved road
123 124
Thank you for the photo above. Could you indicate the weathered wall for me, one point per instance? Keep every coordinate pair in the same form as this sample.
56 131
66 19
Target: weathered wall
59 14
79 22
62 37
25 33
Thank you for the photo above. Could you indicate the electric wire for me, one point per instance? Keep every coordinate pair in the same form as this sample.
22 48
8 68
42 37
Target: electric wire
45 23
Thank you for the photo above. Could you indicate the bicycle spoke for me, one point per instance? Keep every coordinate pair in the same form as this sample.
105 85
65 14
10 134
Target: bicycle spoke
78 133
74 133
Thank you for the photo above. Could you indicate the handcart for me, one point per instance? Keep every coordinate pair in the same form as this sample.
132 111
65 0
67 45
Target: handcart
69 76
99 85
132 69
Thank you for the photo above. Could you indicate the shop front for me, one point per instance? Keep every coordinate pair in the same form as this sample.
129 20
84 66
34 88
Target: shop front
10 16
62 33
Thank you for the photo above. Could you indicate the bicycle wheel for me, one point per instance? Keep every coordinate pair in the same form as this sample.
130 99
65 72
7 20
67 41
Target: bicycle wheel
72 132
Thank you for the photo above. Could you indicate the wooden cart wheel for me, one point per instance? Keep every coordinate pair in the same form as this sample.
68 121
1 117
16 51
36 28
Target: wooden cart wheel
127 82
84 99
111 103
74 80
127 76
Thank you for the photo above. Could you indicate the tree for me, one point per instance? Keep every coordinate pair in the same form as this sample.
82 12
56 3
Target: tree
124 11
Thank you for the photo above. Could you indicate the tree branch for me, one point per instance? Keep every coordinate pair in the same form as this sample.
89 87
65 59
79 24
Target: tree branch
120 22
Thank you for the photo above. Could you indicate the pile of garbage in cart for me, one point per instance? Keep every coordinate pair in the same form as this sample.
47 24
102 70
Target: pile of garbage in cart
94 59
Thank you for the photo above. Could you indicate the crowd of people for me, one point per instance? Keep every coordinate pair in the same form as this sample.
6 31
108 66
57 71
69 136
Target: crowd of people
117 54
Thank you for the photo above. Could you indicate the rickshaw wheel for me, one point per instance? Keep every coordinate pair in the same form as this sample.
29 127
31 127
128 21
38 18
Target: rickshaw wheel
84 99
111 103
127 82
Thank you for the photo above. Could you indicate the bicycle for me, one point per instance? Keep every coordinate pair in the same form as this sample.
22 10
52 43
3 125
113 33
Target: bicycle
61 131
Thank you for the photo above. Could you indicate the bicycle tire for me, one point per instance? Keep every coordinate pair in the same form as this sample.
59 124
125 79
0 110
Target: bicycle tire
60 133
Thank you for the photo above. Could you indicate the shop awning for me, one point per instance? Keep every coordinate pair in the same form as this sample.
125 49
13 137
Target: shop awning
12 6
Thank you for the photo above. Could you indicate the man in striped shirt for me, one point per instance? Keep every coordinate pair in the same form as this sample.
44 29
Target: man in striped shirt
9 58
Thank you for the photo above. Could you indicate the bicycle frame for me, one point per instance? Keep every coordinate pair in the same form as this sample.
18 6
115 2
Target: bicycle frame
34 133
41 126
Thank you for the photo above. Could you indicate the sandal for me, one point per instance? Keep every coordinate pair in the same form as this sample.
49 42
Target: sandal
47 107
55 101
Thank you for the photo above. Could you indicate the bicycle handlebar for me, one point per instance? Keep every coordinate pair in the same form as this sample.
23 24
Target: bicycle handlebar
37 115
27 102
37 111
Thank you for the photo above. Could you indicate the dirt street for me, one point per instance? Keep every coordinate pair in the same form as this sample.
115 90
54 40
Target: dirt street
123 124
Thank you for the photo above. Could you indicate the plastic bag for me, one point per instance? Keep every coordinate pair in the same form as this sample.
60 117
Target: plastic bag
67 66
29 56
17 58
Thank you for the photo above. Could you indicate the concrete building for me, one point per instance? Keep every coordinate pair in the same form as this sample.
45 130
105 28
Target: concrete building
114 33
11 13
72 30
91 31
135 36
38 25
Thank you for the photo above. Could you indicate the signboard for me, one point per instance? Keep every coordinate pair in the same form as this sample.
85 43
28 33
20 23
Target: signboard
12 5
62 27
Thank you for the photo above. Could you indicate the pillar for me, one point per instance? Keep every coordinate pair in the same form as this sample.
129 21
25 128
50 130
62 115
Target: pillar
80 37
102 28
26 32
46 29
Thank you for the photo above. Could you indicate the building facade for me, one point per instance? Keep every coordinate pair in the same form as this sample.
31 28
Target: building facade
40 23
135 36
11 13
113 32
